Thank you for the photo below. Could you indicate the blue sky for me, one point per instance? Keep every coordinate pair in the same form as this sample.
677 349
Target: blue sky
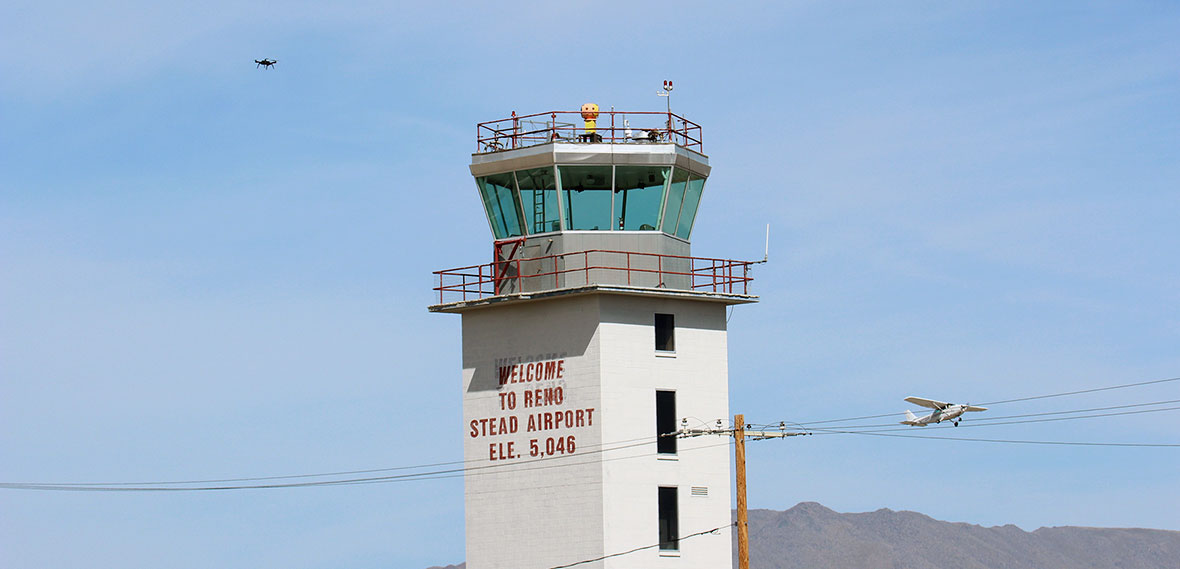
216 271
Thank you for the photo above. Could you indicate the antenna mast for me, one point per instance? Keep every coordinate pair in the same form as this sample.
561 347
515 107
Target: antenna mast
667 92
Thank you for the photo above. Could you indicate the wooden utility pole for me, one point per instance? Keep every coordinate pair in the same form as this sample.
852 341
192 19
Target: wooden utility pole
743 527
739 434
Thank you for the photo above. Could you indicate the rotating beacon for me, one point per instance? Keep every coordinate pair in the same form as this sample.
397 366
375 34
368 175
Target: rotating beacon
592 332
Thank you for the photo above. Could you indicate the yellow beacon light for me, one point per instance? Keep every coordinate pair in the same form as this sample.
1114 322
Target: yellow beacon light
590 114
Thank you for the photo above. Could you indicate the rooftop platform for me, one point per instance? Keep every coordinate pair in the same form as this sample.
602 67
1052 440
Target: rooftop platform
612 127
545 154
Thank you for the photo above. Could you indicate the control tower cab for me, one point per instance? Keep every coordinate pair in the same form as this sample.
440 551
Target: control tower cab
589 340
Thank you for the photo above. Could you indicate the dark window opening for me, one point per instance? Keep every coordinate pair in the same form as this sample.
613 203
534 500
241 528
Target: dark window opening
669 520
665 333
666 422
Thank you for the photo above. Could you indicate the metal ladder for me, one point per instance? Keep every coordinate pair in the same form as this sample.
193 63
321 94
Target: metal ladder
538 211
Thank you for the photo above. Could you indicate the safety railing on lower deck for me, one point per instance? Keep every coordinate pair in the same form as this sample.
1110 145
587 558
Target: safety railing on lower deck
595 266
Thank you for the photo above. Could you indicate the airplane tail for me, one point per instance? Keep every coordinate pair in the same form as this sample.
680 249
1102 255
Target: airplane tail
910 419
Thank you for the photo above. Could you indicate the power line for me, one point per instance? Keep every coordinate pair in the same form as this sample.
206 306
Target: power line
988 421
634 456
831 430
147 486
251 479
163 486
526 465
1124 386
805 424
293 476
628 552
1062 443
1078 410
1051 395
539 467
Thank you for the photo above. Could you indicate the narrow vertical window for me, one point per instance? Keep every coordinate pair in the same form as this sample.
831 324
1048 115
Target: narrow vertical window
665 333
669 520
666 422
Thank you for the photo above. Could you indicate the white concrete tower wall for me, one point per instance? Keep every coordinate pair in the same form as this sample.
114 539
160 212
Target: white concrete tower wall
526 511
601 498
696 371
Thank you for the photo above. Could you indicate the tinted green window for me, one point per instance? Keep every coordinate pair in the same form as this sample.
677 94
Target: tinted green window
688 212
639 193
675 199
587 194
501 202
538 195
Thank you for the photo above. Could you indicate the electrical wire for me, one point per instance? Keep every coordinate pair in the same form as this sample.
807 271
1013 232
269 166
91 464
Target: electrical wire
536 487
808 423
1062 443
645 455
250 479
991 420
1051 395
602 448
1046 413
525 465
628 552
967 425
163 486
291 476
1097 389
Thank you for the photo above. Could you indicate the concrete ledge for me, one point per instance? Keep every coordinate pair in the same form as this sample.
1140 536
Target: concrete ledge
489 301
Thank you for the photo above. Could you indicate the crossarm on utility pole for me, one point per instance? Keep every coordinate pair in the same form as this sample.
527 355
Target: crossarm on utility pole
758 435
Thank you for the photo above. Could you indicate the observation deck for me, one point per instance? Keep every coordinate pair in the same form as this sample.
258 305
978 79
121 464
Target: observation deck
623 127
597 205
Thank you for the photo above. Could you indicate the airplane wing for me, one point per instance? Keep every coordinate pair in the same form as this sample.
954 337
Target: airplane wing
929 403
974 408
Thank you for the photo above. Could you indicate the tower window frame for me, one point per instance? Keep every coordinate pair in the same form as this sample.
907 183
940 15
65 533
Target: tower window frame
665 422
668 506
665 332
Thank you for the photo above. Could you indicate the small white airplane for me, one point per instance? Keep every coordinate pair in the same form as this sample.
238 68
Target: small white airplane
942 412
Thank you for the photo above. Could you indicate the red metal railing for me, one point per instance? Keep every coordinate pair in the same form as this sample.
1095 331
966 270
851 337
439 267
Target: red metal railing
597 266
568 126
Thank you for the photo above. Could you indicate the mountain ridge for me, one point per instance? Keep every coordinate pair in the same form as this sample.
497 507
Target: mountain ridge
813 536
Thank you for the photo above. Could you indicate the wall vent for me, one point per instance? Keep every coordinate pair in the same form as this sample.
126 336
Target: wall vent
700 491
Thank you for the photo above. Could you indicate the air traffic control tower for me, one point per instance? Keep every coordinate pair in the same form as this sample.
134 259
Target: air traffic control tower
592 331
